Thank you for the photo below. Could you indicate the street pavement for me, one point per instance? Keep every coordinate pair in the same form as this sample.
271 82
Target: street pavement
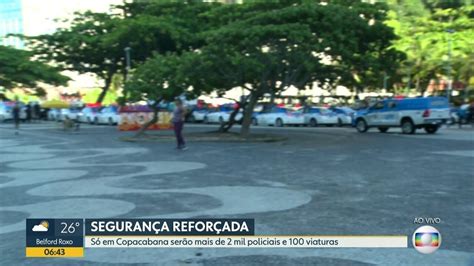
320 181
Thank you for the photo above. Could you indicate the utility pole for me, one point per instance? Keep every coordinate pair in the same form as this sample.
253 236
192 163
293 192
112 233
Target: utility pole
450 79
127 62
385 79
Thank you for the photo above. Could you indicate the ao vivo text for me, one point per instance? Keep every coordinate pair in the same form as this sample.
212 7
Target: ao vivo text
427 220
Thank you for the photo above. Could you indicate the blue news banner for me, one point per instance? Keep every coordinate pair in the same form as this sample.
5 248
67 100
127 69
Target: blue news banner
69 237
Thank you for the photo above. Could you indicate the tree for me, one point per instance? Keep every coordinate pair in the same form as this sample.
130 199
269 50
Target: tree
82 47
425 38
268 47
95 42
374 59
159 79
18 69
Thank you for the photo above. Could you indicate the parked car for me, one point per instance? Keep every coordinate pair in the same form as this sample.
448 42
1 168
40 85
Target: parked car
344 115
279 117
463 113
315 116
197 114
255 118
53 114
87 115
68 113
108 115
6 111
221 115
409 114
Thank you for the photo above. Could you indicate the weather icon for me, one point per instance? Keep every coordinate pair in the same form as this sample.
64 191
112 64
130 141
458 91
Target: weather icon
42 227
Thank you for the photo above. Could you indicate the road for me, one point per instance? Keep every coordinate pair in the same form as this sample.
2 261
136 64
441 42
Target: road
323 181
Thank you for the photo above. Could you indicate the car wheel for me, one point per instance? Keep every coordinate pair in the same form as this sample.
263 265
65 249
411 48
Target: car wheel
339 122
96 121
408 127
313 122
361 126
383 129
221 120
279 122
206 120
111 122
89 120
431 129
254 122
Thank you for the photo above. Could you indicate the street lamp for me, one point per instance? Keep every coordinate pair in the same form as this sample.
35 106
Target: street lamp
450 81
385 79
127 61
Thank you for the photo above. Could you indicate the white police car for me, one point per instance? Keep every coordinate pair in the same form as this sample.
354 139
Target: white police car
409 114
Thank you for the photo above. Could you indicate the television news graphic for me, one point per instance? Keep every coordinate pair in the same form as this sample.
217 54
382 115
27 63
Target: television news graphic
426 239
133 227
213 233
54 237
69 237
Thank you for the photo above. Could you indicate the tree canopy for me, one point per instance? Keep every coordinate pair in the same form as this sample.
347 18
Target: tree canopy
264 47
430 32
95 42
18 69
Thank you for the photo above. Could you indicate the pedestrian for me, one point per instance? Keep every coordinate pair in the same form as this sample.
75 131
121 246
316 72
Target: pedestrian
37 111
28 111
470 116
16 115
178 122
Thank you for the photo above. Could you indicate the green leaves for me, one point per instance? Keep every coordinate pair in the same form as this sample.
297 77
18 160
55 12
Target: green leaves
161 77
426 40
18 69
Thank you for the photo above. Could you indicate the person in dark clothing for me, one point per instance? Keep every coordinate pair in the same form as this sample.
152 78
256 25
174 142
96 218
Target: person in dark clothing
16 115
178 122
36 112
28 112
470 116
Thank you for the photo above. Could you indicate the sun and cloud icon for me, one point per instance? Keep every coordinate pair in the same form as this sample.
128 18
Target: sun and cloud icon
42 227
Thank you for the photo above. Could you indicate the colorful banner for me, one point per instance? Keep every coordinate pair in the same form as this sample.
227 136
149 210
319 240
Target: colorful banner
131 121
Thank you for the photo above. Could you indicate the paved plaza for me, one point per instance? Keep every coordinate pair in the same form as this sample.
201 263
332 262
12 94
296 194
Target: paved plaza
324 181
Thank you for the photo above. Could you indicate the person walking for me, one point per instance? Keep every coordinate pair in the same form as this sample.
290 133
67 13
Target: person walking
28 111
178 122
16 115
36 111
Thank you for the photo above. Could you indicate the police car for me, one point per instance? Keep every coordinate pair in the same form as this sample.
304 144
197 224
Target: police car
409 114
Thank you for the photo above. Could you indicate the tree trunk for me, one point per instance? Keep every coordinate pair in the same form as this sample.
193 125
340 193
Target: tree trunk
248 111
145 126
418 89
105 89
225 127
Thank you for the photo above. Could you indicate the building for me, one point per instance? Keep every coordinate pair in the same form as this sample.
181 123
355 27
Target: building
11 22
36 17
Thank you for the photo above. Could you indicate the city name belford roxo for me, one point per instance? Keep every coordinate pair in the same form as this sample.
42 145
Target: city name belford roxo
170 227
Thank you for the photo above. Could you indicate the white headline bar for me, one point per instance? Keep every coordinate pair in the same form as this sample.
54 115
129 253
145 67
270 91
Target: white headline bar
246 241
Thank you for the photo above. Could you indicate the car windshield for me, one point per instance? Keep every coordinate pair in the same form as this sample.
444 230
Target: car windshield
279 110
324 111
346 110
226 108
299 111
313 111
